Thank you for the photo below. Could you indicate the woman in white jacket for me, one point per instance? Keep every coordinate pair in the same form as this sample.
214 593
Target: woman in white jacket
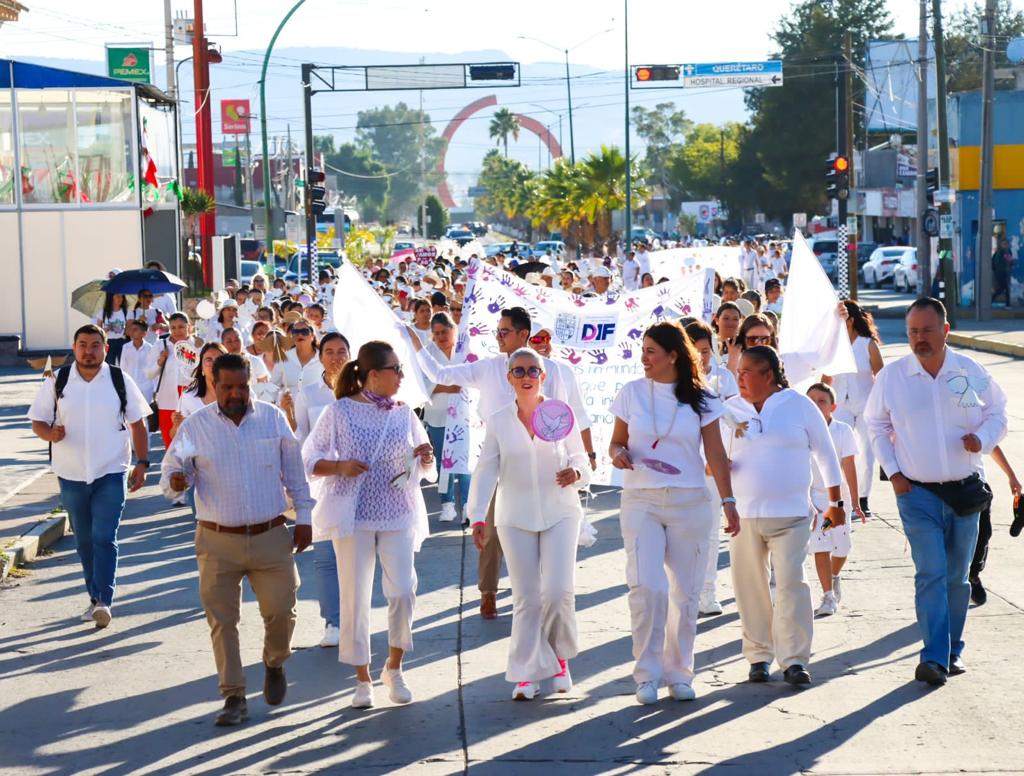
372 453
537 516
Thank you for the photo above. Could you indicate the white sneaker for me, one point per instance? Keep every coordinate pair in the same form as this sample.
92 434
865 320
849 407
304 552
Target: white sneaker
525 691
709 604
448 513
179 501
562 681
101 615
87 614
362 698
837 588
647 693
828 606
398 690
681 692
331 637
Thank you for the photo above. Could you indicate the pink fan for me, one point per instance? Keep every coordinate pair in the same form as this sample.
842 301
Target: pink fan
552 420
660 466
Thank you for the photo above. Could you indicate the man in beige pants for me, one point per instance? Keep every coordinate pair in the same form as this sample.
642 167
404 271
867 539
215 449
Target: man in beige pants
241 456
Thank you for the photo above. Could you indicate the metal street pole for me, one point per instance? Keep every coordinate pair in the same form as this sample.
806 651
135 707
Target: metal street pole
629 171
924 242
568 92
983 253
851 272
842 230
204 139
263 127
307 103
172 82
947 275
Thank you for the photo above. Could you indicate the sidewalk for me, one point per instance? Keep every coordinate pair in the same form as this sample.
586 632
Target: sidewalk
1001 336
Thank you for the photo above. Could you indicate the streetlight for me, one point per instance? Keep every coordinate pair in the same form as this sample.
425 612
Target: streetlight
558 115
568 83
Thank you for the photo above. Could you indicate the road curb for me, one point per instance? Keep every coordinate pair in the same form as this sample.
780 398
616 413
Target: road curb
986 345
33 542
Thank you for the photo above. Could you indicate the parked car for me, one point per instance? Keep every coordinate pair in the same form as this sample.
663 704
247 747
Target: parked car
461 236
905 275
864 251
882 265
403 245
557 247
247 269
826 251
492 249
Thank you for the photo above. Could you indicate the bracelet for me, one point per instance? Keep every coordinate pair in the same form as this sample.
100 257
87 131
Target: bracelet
620 451
728 500
592 456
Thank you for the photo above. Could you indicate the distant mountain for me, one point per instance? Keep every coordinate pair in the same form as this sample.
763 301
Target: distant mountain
597 97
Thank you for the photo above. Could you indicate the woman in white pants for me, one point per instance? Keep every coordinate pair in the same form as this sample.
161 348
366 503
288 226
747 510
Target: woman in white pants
852 391
372 452
774 431
537 516
662 422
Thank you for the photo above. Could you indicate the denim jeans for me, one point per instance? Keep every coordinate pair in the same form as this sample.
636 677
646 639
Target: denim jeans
461 481
325 563
94 509
942 545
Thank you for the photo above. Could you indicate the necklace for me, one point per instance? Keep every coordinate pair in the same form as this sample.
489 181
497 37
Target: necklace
654 419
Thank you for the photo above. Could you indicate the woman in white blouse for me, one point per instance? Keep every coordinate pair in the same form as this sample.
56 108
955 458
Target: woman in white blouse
371 452
774 432
200 391
662 423
537 516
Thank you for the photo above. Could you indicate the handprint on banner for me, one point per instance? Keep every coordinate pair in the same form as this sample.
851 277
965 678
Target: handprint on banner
506 280
472 357
569 354
476 331
457 434
611 299
471 299
471 270
599 356
542 297
635 334
495 306
519 291
447 462
627 351
631 304
452 411
684 308
659 312
578 301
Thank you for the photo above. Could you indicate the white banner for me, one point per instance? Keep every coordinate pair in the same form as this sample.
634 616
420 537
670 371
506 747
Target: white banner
600 338
671 263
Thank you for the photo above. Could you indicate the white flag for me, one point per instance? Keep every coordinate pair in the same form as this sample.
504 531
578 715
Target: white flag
813 338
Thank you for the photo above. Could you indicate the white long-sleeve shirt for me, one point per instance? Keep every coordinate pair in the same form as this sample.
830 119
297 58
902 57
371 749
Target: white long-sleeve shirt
523 472
135 362
771 460
916 421
175 374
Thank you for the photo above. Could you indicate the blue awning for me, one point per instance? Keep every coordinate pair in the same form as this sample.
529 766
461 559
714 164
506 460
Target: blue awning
29 76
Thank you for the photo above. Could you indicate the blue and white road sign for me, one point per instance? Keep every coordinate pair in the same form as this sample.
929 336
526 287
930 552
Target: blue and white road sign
741 74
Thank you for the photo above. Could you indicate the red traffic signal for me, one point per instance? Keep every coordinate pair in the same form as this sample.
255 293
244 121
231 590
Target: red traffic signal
841 164
647 73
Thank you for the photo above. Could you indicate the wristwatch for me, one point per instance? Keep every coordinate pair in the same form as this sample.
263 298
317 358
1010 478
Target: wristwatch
728 500
143 461
836 504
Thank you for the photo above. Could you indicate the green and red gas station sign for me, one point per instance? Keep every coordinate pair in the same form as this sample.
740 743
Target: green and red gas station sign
130 63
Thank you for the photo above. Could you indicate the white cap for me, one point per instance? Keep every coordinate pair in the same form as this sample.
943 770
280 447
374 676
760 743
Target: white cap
548 272
534 278
601 272
229 303
536 327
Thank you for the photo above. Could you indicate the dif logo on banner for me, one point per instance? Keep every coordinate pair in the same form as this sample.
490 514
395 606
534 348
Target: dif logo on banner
591 332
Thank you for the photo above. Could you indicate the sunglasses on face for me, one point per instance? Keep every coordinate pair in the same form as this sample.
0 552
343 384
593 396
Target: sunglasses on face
301 332
396 368
540 339
758 340
519 372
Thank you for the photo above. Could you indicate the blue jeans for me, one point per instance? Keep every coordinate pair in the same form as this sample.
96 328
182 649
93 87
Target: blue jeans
436 436
95 511
325 563
942 546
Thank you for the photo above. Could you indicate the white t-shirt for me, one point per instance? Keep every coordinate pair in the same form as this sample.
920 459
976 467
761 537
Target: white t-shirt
846 445
630 274
113 326
680 444
189 403
643 258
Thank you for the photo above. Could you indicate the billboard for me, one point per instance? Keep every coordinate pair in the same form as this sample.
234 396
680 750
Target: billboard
129 63
234 117
890 86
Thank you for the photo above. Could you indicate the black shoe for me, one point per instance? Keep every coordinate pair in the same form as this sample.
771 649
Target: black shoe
956 665
796 674
760 672
978 593
275 685
864 507
235 712
931 672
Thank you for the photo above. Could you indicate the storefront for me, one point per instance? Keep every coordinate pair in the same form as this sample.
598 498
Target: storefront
88 182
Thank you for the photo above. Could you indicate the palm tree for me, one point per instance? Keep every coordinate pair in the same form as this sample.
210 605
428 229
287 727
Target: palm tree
603 188
194 203
504 123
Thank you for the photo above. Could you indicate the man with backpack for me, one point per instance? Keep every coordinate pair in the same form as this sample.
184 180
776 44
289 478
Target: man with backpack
93 415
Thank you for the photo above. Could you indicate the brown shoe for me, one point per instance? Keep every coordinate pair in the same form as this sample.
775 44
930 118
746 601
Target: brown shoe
235 712
275 685
488 606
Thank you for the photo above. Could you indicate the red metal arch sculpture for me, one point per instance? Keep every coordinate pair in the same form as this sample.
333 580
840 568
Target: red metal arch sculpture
526 122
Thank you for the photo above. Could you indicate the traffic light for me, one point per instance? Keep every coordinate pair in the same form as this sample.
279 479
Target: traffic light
502 72
646 73
316 192
931 183
837 177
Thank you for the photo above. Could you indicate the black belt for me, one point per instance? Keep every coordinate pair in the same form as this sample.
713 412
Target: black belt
253 529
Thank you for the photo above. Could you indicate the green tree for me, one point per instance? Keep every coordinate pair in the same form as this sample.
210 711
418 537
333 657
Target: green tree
504 123
194 203
662 128
238 192
701 168
437 218
964 44
405 143
793 127
602 189
323 144
363 177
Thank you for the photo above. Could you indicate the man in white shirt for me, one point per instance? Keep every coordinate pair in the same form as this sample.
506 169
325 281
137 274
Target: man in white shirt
631 272
931 416
643 260
93 417
489 377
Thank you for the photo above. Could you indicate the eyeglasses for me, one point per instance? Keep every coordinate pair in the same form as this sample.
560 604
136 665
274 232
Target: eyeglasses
758 340
540 339
519 372
397 368
301 332
502 333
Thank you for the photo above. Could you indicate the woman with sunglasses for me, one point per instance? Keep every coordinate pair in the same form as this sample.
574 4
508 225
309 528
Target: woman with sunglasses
144 310
756 329
537 516
369 453
663 423
775 433
301 364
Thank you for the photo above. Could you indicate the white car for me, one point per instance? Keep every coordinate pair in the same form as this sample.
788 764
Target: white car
881 267
906 276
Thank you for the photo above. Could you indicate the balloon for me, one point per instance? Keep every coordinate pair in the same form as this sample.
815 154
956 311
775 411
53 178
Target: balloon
206 310
552 420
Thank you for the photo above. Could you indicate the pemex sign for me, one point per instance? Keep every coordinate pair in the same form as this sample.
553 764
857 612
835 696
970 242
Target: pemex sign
129 63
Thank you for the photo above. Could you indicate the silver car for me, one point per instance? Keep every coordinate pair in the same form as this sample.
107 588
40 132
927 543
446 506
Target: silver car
881 267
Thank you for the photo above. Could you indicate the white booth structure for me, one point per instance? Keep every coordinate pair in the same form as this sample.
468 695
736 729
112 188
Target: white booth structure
88 182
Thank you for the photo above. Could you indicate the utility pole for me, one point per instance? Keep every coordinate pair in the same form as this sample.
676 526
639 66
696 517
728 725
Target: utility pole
172 85
568 93
423 165
983 253
307 190
842 231
629 171
289 186
204 138
848 108
947 275
924 242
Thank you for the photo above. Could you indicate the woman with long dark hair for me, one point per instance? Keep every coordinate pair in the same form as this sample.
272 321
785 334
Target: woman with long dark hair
371 453
726 323
145 310
662 423
200 391
755 330
774 432
852 391
112 320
